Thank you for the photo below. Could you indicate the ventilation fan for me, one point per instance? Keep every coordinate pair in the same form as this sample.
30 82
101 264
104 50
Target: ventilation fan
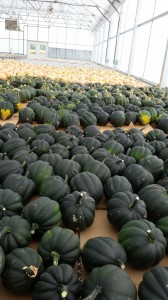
50 9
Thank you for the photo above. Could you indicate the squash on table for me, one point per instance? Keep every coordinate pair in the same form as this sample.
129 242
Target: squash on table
89 183
78 210
125 206
108 282
143 242
57 282
10 203
59 245
22 269
42 214
154 284
14 233
100 251
21 185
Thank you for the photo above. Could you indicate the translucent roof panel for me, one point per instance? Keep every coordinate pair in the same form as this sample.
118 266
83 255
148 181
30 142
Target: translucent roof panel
85 14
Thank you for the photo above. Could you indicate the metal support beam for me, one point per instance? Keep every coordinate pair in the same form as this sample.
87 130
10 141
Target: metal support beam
164 74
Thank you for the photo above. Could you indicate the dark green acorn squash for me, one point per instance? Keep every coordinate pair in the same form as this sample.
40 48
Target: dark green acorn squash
27 134
7 133
108 283
51 158
25 157
21 185
57 282
22 269
78 210
113 147
100 251
14 145
38 171
162 224
67 169
143 242
125 206
116 184
115 164
156 199
100 169
40 147
10 203
26 115
153 164
54 187
14 233
59 245
139 152
82 159
42 214
138 177
154 284
87 118
8 167
117 118
91 143
89 183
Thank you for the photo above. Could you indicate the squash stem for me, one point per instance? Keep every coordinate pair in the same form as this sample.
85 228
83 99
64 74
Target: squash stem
34 227
55 257
4 231
120 264
62 290
31 271
94 293
132 205
78 200
2 207
151 237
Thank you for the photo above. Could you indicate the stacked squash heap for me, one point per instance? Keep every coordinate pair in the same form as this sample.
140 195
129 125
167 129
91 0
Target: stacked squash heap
52 181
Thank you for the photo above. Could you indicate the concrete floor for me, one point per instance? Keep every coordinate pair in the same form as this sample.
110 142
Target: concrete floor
64 62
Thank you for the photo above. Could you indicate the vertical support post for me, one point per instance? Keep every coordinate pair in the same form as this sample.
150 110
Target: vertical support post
134 36
164 74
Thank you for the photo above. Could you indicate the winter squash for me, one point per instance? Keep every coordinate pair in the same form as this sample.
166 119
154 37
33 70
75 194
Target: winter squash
89 183
8 167
116 184
98 168
22 270
156 199
143 242
54 187
138 177
21 185
67 169
120 286
14 233
38 171
78 210
42 214
10 203
154 284
57 282
125 206
59 245
100 251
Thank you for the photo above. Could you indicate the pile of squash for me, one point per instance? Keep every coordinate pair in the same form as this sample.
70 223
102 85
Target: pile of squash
67 74
64 104
51 182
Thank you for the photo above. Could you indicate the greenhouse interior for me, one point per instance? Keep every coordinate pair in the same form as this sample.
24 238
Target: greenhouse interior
84 149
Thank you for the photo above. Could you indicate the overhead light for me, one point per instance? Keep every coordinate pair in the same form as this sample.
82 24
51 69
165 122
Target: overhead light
50 9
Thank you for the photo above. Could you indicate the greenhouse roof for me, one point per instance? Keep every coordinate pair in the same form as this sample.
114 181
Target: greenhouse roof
85 14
